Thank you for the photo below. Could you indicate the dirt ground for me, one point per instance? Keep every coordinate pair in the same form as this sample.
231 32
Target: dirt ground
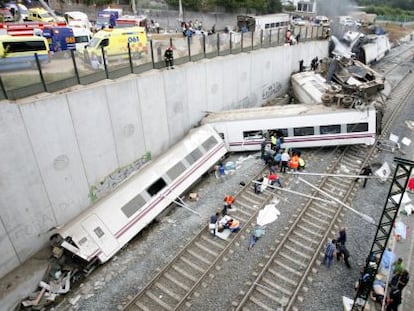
395 31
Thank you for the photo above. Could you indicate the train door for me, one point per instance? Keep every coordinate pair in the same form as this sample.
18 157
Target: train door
100 234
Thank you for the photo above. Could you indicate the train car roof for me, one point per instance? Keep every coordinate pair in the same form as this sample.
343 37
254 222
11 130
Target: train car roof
271 112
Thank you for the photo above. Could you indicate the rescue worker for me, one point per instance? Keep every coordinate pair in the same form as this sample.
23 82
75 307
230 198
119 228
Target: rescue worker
302 164
294 162
228 201
169 58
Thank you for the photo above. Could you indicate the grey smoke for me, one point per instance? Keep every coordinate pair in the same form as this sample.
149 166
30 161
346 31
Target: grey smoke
332 8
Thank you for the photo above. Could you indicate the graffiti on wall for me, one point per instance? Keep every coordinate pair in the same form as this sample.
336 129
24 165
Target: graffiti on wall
114 179
271 90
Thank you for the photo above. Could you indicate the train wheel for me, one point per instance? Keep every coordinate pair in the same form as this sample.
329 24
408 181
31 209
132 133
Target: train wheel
347 101
326 99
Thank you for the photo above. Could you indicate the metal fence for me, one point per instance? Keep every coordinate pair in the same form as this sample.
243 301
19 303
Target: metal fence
68 69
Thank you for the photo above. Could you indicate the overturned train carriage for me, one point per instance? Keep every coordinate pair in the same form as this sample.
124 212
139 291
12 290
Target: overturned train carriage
104 228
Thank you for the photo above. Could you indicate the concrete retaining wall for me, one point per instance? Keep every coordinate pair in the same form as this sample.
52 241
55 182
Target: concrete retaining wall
56 149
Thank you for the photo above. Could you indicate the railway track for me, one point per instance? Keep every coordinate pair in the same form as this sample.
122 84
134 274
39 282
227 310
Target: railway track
295 254
280 282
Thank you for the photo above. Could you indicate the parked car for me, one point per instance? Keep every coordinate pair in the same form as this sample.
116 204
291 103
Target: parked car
298 22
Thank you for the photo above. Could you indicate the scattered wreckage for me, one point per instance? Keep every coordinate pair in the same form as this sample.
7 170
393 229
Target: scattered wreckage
340 81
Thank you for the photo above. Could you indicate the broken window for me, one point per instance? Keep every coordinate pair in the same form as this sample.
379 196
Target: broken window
156 187
253 134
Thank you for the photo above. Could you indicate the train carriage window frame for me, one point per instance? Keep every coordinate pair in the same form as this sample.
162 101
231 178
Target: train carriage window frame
330 129
99 232
251 135
210 143
156 187
134 205
194 156
175 171
304 131
357 127
283 131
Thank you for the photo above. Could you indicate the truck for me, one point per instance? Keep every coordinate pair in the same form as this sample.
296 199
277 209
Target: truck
114 43
263 22
107 18
60 39
82 37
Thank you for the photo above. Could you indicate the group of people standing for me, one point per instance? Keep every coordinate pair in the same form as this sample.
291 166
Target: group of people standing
337 247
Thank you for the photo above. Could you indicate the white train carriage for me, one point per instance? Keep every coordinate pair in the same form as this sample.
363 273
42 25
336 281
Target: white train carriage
104 228
302 125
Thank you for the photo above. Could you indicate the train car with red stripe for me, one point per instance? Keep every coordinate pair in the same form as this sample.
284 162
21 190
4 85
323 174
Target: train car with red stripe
104 228
300 125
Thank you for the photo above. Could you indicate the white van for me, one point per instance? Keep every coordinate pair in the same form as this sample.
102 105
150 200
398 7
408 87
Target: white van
82 37
321 21
76 19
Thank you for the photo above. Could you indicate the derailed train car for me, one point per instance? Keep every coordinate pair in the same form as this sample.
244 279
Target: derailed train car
301 125
103 229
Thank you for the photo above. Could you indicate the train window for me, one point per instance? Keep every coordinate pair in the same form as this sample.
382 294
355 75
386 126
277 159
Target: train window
280 132
210 143
194 156
330 129
99 232
82 241
357 127
303 131
156 187
176 171
252 134
133 206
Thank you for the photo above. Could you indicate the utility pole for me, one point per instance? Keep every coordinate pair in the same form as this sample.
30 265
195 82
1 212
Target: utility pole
389 214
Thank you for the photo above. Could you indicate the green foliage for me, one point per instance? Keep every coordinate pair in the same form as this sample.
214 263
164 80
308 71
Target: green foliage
260 6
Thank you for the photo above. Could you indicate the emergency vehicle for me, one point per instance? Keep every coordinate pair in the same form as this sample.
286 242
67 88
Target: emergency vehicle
60 39
114 42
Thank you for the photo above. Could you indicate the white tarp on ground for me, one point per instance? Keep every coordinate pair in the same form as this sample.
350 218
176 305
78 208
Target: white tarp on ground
267 215
383 172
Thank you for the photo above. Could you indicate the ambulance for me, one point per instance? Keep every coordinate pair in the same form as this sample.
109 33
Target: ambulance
114 43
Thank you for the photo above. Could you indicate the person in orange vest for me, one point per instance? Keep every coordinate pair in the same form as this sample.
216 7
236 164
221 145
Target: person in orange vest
294 162
233 225
228 201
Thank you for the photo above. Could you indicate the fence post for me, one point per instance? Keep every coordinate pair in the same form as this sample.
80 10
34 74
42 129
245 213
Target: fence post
261 38
270 37
104 62
3 89
131 66
306 34
241 42
252 40
189 48
231 43
72 54
152 54
204 46
278 36
218 44
40 72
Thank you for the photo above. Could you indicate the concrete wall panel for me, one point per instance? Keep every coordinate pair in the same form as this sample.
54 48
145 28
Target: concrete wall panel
175 82
243 81
25 209
196 91
230 71
92 123
49 126
125 114
215 84
153 112
8 259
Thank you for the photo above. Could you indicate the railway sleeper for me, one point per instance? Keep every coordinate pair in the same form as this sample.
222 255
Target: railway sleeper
322 214
331 209
193 265
206 249
309 231
298 252
185 273
159 301
248 205
316 218
303 237
252 197
219 244
199 257
312 220
286 279
172 279
279 298
300 244
287 268
258 302
141 306
276 287
292 260
338 182
169 292
246 214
